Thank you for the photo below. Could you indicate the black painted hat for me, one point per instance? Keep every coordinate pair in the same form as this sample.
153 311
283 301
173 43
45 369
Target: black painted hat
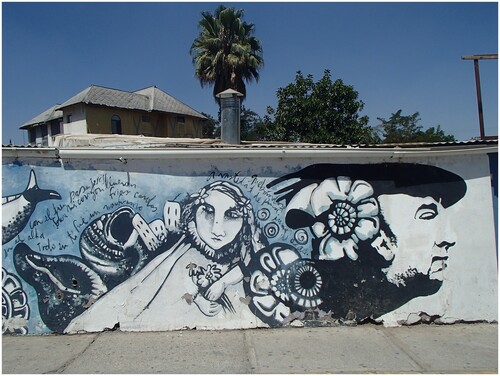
413 179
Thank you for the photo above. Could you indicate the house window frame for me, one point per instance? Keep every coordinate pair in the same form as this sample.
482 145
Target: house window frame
116 124
44 130
32 135
55 126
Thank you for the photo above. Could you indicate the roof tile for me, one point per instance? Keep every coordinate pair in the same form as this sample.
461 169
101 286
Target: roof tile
148 99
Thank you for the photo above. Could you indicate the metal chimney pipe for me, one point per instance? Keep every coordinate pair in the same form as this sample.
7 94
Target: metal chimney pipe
230 104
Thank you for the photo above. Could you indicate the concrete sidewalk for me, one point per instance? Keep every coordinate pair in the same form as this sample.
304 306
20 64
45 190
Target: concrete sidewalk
459 348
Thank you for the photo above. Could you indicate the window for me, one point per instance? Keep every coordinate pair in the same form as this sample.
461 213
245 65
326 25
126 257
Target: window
55 128
32 135
146 119
45 130
181 119
68 118
116 125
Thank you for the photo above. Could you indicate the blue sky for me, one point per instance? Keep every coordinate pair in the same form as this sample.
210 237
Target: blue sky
396 55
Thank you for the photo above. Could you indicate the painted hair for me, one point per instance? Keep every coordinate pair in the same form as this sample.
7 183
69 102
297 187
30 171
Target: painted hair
249 240
386 178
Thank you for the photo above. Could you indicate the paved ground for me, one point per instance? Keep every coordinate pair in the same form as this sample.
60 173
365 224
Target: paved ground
459 348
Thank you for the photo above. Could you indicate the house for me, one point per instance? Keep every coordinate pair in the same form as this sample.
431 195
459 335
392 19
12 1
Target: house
100 110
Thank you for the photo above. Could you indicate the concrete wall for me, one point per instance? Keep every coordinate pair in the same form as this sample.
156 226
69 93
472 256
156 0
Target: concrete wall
209 243
78 124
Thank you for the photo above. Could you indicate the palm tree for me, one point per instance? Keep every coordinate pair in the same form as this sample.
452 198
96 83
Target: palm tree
225 54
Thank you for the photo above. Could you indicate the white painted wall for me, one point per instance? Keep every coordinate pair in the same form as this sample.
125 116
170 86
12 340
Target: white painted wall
78 124
95 187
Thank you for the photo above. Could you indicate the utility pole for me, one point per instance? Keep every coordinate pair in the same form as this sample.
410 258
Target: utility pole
476 59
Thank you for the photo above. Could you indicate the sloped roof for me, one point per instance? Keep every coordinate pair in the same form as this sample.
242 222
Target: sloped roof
161 101
108 97
148 99
44 117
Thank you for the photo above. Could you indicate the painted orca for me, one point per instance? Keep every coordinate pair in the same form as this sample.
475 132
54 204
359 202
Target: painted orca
64 284
17 209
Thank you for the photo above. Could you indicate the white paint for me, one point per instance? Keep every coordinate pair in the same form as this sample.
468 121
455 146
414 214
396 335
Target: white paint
154 299
75 127
469 290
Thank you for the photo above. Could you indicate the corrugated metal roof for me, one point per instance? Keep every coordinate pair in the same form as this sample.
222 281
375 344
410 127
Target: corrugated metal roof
132 141
124 148
44 117
148 99
110 141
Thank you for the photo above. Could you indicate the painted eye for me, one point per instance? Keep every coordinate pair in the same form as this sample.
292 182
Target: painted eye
426 212
232 214
208 209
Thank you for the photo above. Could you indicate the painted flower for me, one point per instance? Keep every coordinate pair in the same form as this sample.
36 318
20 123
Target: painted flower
15 309
205 277
344 212
299 283
199 197
279 279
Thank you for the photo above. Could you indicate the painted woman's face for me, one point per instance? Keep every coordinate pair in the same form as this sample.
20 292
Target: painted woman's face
422 235
218 220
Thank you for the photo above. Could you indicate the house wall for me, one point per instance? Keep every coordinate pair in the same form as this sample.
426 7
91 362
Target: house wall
46 140
78 123
37 130
191 128
97 119
56 123
159 125
213 242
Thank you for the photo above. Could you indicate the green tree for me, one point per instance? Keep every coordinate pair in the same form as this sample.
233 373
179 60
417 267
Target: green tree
225 53
403 129
325 111
250 125
211 127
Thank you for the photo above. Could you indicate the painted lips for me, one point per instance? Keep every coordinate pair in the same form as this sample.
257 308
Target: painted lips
438 264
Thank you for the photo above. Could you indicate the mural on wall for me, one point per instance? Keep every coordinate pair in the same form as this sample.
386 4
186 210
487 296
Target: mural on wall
345 240
364 220
64 285
211 236
17 209
14 305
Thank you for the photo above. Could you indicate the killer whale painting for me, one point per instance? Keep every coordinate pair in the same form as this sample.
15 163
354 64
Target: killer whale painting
64 285
17 209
